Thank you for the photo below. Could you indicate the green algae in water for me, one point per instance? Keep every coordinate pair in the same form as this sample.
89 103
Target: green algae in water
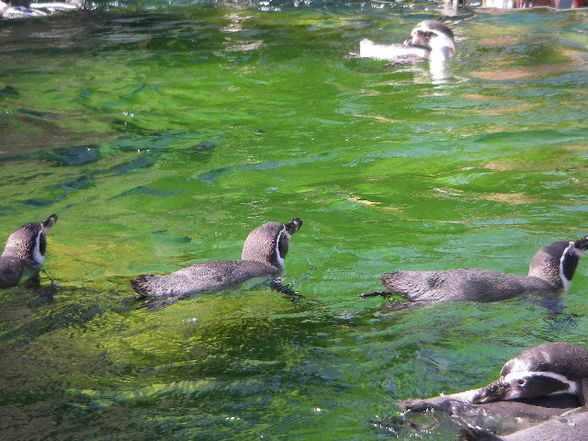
162 138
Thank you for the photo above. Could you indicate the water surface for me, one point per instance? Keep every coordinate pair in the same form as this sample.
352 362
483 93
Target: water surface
162 135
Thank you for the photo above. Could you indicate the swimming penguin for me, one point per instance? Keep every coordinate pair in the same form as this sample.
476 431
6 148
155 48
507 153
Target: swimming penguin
536 372
21 9
24 253
429 40
551 270
499 417
539 371
540 383
263 255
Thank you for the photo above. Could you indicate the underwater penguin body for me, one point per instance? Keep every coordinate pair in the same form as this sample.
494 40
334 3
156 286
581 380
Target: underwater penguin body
551 270
24 254
569 426
264 253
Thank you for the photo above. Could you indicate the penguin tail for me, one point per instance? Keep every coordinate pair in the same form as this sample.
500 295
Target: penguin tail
409 284
146 285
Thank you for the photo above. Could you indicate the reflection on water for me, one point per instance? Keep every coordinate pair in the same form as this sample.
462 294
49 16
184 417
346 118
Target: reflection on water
162 134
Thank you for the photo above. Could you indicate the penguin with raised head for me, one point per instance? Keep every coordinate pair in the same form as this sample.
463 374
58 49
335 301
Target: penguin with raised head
551 270
24 253
264 253
429 40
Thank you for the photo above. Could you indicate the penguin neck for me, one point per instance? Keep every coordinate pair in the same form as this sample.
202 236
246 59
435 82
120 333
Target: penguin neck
267 259
568 264
556 271
267 252
272 268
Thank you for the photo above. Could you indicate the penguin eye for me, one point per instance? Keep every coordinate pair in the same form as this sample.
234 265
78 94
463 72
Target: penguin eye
426 35
521 382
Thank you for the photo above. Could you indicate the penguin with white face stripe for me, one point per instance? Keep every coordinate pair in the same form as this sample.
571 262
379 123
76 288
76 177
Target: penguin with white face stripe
551 270
264 253
539 371
24 254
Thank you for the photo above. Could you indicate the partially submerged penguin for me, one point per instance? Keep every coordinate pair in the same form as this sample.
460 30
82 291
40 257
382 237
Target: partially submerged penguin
551 270
429 40
264 253
24 254
540 383
536 372
37 9
539 371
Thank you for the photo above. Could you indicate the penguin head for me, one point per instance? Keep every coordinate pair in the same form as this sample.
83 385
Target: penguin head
269 242
556 263
435 36
525 384
29 242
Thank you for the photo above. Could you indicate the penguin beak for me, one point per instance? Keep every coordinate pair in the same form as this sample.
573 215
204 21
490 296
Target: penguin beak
581 244
496 391
417 38
50 221
294 225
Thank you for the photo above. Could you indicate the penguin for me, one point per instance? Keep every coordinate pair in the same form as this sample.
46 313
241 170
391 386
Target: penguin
493 417
541 383
539 371
551 270
429 40
536 372
18 9
264 253
24 253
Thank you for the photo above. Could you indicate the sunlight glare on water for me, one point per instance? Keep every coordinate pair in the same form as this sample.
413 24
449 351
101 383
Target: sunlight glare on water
163 134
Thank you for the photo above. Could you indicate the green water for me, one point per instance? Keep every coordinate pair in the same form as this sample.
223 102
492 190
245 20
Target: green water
162 136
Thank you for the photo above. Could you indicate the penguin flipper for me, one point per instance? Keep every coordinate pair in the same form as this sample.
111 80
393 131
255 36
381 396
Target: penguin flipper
277 285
